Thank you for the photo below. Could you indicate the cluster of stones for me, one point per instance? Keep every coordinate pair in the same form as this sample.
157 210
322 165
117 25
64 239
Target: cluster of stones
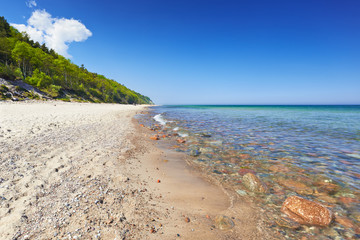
324 205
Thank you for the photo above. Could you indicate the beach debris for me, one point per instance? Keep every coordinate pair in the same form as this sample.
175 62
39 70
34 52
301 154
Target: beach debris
187 219
152 230
307 212
253 183
158 181
223 222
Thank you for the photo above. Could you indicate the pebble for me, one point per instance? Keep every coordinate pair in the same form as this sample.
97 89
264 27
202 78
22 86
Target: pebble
223 222
253 183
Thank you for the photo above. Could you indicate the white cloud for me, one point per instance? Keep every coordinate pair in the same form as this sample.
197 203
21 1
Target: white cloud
57 33
31 3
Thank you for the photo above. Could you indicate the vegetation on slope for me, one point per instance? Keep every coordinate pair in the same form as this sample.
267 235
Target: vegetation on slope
35 64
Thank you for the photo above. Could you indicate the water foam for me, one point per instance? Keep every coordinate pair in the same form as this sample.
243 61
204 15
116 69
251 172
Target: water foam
160 119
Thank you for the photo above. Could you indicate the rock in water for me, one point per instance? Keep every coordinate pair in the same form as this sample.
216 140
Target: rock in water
253 183
307 212
223 222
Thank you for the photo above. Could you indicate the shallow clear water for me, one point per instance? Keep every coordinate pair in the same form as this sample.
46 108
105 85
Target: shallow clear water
311 144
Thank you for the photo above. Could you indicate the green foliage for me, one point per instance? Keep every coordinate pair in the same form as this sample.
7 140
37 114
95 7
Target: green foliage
22 58
3 88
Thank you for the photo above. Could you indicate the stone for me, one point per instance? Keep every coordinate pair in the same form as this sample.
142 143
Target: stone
223 222
244 171
346 222
253 183
279 168
287 223
307 212
327 187
205 135
241 192
194 153
296 186
155 137
179 140
187 219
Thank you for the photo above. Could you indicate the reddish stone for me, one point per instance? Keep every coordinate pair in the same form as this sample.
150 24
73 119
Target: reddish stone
344 221
244 156
155 137
307 212
279 168
244 171
329 188
180 140
295 186
347 200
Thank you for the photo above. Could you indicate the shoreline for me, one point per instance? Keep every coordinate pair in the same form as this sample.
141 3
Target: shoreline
84 170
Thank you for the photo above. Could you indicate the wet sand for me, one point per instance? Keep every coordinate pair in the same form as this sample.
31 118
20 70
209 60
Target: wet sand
89 171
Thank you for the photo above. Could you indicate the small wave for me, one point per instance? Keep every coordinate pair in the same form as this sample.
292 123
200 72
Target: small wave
183 134
176 129
160 119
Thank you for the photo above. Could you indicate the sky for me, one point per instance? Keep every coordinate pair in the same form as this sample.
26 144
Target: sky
207 52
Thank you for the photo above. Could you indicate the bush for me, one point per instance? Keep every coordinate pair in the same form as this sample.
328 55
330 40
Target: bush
4 88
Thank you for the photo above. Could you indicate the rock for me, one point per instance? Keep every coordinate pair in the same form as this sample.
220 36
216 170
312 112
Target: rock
205 135
327 198
179 140
327 187
194 153
223 222
253 183
187 219
155 137
346 222
241 192
244 171
347 200
307 212
298 187
287 223
279 168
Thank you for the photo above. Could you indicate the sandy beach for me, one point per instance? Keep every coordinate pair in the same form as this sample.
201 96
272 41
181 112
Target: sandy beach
89 171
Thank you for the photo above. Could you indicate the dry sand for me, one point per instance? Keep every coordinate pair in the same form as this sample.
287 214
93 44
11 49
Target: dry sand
88 171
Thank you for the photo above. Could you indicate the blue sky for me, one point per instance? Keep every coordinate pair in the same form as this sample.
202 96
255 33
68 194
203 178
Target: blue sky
217 52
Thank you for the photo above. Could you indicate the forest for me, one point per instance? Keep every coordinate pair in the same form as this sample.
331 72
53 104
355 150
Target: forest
23 59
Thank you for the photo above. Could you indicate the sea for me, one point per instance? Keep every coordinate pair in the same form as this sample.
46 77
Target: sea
312 151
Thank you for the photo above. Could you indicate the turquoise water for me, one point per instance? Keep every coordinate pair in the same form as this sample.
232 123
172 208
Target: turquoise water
311 145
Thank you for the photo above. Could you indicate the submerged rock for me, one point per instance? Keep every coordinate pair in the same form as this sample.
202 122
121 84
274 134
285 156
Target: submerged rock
223 222
287 223
307 212
194 152
296 186
253 183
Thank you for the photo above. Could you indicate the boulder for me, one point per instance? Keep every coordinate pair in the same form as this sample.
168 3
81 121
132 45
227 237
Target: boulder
307 212
253 183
